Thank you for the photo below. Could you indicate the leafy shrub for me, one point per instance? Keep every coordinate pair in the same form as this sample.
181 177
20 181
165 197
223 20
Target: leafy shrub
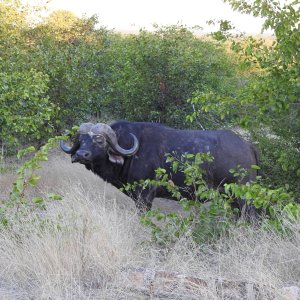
210 211
77 69
68 49
25 108
267 100
19 204
154 73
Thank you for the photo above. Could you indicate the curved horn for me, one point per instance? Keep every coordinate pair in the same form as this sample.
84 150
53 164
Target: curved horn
66 148
83 129
111 138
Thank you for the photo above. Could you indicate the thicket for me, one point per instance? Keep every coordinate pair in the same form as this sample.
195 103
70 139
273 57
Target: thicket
64 69
267 102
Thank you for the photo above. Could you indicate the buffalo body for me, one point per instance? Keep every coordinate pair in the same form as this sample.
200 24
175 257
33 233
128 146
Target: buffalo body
126 152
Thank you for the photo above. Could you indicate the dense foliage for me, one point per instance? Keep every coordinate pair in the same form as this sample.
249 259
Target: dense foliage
65 69
267 101
153 74
24 103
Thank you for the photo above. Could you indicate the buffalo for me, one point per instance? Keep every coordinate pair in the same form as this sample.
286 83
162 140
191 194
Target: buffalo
126 152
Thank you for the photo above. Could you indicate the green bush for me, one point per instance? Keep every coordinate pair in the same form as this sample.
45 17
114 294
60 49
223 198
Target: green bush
154 73
20 203
25 108
210 211
68 49
266 103
82 69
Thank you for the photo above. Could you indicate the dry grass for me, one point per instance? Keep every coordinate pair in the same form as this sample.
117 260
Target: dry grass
99 235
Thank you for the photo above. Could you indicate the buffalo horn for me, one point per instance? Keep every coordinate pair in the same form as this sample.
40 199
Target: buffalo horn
111 138
66 148
85 128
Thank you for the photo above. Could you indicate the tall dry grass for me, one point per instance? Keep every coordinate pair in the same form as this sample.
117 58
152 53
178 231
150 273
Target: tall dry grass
95 234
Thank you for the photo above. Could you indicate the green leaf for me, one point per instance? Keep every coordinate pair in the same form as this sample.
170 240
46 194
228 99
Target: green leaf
38 200
248 195
25 151
34 180
54 196
19 184
255 167
160 216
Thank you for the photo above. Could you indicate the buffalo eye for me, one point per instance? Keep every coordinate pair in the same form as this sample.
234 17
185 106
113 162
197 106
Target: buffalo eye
99 139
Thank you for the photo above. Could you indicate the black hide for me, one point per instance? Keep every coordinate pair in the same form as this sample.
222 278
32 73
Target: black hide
155 140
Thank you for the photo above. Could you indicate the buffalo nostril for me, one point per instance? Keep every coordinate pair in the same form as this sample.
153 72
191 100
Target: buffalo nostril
84 154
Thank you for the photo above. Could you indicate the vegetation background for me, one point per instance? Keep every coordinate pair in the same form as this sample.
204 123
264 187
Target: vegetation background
62 70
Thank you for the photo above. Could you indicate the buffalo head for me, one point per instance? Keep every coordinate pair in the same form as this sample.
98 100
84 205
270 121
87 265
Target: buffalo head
97 143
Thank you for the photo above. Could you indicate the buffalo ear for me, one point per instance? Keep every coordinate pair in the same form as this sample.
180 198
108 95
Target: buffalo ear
115 158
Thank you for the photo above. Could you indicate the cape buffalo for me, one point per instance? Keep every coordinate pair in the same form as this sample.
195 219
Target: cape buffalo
126 152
